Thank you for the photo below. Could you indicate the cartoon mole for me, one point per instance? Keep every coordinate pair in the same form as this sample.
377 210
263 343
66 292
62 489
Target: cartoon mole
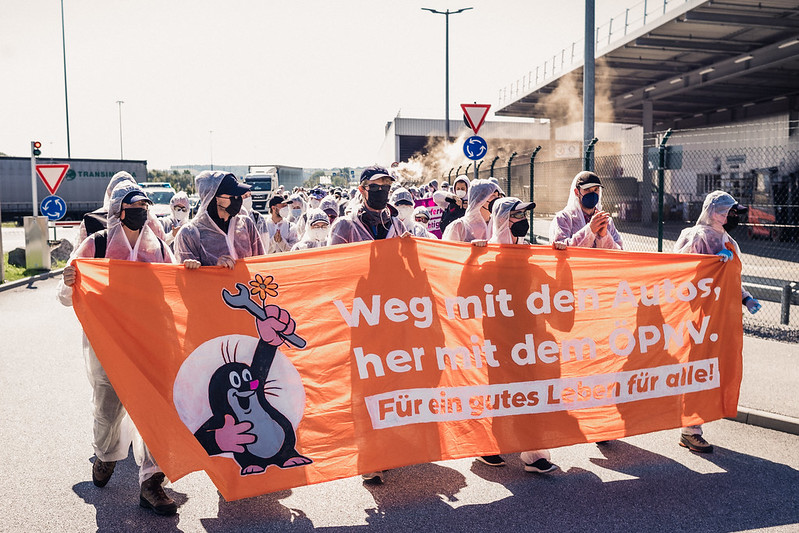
243 420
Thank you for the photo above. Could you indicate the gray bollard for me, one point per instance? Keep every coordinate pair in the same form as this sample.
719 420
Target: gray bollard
785 301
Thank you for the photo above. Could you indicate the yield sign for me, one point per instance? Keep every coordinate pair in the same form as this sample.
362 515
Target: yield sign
475 114
52 175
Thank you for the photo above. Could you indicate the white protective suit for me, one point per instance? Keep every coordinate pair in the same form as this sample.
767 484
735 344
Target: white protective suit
707 236
201 239
406 213
500 218
440 197
571 226
299 207
312 238
113 430
177 218
350 227
289 236
471 225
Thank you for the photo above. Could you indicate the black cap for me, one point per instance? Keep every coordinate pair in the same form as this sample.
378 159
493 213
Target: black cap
375 172
587 179
276 200
230 185
739 209
135 196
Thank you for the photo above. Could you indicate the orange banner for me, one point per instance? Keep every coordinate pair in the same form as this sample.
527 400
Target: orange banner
310 366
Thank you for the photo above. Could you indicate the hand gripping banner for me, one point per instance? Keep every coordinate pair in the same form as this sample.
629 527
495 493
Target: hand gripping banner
310 366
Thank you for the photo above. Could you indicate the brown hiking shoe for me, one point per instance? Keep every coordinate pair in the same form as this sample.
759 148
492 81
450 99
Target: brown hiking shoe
101 471
696 443
153 496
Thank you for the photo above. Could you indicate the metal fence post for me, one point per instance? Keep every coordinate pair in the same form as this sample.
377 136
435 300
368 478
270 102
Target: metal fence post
785 302
661 184
532 195
588 161
509 163
492 166
477 169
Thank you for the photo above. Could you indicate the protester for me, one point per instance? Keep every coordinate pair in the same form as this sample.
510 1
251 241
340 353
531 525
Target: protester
220 234
97 219
510 226
331 207
281 232
371 217
473 225
179 205
299 206
128 238
710 235
452 203
421 215
257 218
509 221
582 222
316 232
402 200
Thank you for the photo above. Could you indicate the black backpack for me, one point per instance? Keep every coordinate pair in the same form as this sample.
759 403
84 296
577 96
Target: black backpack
95 221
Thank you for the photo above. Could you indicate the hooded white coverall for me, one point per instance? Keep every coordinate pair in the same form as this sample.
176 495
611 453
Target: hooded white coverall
310 238
708 236
500 216
471 225
201 239
113 430
175 220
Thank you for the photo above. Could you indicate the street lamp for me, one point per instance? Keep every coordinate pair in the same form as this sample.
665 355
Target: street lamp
446 14
119 103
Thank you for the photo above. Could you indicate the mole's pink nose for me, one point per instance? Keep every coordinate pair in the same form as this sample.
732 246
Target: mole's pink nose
253 384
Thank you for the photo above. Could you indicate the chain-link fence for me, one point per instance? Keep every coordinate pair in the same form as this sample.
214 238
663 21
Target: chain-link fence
761 176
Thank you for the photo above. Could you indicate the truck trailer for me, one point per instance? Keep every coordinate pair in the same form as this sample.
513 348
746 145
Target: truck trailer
83 187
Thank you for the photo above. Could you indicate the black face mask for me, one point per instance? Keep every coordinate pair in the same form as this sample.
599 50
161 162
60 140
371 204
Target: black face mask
732 222
235 205
377 199
135 218
490 205
590 200
520 228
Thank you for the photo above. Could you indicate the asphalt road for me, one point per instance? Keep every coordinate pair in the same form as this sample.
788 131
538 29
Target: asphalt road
643 483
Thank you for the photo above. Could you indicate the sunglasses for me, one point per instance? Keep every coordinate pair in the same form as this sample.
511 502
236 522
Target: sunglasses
518 215
373 187
421 219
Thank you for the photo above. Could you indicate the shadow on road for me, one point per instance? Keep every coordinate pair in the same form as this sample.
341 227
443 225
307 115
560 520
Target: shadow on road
117 504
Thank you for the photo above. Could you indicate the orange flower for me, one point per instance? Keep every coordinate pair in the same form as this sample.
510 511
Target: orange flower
263 287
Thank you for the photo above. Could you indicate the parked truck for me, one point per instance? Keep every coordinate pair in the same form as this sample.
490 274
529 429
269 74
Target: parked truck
265 180
83 187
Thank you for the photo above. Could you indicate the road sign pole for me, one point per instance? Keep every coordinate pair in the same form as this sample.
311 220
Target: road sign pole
33 183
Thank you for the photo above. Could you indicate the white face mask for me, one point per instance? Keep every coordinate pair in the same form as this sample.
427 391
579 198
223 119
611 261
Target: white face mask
246 203
319 234
296 214
460 193
284 212
180 216
405 211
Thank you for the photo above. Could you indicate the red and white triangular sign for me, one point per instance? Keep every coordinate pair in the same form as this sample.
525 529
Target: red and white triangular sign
475 114
52 175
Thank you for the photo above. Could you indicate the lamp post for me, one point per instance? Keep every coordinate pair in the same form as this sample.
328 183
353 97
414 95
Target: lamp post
119 103
66 96
446 14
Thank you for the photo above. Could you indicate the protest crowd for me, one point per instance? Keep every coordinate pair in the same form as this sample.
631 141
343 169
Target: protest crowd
226 229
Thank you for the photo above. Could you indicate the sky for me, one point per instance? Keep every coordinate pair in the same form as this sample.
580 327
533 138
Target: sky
309 83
